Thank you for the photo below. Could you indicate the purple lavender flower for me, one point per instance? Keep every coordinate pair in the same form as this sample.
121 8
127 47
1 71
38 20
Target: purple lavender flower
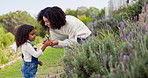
122 36
144 28
145 15
60 75
135 32
121 55
131 19
55 76
129 48
117 22
130 35
48 75
140 37
137 28
121 49
132 41
99 76
131 55
68 67
125 58
73 52
73 69
144 6
121 25
68 71
57 71
119 65
135 18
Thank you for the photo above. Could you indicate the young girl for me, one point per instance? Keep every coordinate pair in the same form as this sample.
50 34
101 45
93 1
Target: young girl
24 35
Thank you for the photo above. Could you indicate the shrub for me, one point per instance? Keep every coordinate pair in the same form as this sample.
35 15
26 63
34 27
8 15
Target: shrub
113 56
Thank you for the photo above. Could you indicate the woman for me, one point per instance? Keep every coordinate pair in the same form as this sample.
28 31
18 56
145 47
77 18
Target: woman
65 30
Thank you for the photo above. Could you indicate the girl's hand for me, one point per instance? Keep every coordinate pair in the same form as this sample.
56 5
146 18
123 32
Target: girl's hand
50 42
45 41
40 63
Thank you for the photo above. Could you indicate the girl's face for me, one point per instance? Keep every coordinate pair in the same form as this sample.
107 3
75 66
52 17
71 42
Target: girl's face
47 22
32 35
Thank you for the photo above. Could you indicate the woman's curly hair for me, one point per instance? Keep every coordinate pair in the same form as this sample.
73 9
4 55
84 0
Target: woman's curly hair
55 16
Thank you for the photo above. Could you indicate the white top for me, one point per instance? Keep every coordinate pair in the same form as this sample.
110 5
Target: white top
68 34
28 51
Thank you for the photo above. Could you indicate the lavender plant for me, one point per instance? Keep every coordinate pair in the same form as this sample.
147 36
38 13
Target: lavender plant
112 56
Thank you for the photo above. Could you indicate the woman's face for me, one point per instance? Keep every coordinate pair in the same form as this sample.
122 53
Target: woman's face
32 35
47 23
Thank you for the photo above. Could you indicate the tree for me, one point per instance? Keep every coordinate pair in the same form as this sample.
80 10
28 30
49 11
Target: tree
71 12
12 20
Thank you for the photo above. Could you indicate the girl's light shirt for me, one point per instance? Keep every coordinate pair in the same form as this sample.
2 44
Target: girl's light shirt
68 34
28 51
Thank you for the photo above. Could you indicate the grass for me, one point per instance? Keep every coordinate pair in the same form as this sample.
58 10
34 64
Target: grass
51 63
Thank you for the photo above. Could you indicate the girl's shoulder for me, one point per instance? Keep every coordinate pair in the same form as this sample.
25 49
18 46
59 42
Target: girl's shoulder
26 44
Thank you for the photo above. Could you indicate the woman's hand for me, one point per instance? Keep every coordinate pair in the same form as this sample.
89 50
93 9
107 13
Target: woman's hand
54 42
47 42
51 42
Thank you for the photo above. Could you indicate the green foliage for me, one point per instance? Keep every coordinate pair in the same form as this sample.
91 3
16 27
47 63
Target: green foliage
82 10
120 16
142 1
71 12
84 19
6 39
91 12
128 12
7 55
12 20
2 30
38 40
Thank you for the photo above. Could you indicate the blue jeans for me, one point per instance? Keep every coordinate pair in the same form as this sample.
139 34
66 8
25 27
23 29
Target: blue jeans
81 41
29 69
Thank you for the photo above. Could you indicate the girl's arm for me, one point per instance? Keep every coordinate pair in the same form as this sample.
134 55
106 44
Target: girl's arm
38 53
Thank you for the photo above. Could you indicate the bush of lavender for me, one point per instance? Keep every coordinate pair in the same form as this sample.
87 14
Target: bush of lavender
122 55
